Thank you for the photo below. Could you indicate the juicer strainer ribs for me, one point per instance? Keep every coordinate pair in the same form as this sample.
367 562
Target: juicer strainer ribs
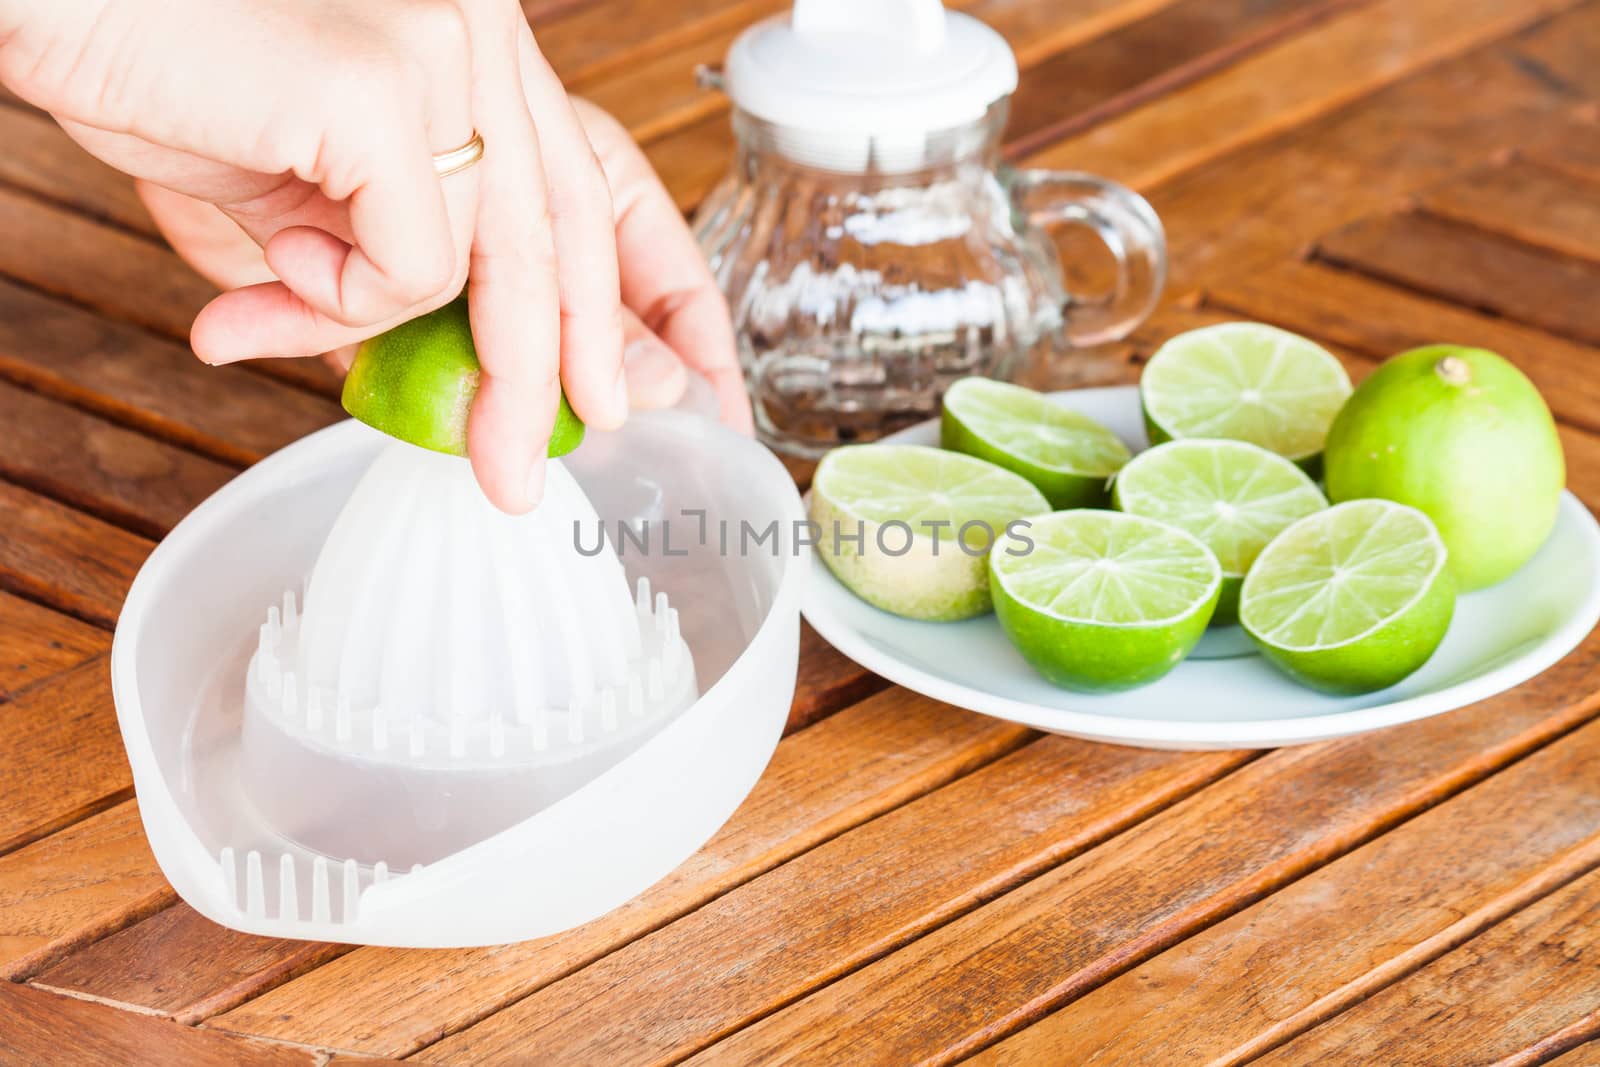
454 669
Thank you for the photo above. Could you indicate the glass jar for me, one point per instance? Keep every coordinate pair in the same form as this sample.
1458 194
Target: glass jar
861 288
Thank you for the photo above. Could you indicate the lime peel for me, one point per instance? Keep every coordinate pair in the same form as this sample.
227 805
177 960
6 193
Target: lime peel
418 380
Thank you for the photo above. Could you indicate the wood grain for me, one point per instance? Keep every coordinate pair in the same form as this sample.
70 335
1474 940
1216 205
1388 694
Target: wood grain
41 158
1532 204
64 755
1468 266
99 467
1334 937
1004 965
838 906
1263 202
823 780
180 964
64 558
133 378
74 886
1494 997
107 269
1289 84
1380 320
43 1027
1078 87
829 681
37 644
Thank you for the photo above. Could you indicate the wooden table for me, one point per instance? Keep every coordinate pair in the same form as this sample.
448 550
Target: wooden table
908 882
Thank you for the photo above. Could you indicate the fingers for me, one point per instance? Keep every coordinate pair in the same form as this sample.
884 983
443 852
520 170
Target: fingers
515 295
656 378
585 246
208 240
664 276
408 232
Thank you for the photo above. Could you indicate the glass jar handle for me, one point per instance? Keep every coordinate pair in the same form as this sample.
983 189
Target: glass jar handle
1128 226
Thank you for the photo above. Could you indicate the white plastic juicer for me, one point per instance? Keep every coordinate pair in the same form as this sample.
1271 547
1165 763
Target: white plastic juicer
362 705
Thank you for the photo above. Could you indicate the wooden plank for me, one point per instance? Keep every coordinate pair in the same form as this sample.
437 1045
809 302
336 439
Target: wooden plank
1560 150
840 905
1494 997
829 681
1009 962
41 158
823 780
116 474
219 969
1263 202
1381 320
72 887
135 379
1281 966
64 558
1080 86
1468 266
592 41
43 1027
1287 86
64 756
1524 201
37 643
98 266
1585 1055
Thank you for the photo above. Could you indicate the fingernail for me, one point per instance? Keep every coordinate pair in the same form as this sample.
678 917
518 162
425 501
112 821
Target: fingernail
535 488
654 373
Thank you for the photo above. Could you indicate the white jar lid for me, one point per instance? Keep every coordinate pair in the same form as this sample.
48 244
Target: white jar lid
859 84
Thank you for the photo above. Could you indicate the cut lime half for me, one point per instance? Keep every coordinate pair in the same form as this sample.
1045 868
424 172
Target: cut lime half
908 528
1351 599
1235 497
1244 381
1100 600
418 380
1069 456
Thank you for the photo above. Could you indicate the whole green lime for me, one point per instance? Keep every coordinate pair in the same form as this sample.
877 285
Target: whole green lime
1462 435
417 381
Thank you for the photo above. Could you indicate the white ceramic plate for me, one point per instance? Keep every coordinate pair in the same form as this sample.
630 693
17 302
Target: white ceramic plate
1224 696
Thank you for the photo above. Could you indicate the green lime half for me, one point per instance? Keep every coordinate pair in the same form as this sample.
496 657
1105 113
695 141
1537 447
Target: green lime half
907 528
417 381
1069 456
1351 599
1102 601
1246 382
1235 497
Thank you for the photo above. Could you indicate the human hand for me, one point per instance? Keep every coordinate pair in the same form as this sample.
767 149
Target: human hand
310 124
663 275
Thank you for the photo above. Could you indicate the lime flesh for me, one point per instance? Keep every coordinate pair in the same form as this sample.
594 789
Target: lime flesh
1351 599
1463 435
1101 601
418 380
907 528
1244 381
1235 497
1068 456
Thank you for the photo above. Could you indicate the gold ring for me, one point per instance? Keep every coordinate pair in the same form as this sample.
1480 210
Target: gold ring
459 159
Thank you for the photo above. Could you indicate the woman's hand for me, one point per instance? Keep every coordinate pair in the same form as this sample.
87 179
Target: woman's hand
310 124
664 277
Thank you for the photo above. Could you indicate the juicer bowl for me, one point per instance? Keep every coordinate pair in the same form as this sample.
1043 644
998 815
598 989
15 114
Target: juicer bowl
707 518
